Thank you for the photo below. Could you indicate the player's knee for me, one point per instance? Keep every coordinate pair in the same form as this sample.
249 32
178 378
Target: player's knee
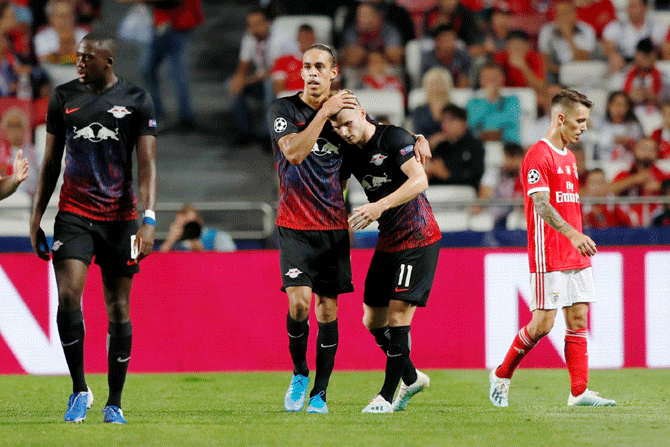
69 300
118 312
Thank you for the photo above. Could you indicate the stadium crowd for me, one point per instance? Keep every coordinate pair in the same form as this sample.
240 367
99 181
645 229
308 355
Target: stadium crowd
494 66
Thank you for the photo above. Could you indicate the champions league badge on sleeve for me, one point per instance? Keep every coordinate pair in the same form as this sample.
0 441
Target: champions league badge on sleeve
533 176
280 125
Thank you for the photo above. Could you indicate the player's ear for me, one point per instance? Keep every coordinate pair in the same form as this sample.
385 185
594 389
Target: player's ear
333 73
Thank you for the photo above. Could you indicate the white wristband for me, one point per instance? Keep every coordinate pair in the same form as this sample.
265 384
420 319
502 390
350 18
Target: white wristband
150 213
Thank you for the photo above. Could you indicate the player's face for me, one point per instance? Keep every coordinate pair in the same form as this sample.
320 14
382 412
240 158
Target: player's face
574 123
350 124
317 71
92 62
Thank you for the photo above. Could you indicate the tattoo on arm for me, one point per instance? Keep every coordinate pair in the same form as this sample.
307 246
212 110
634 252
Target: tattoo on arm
549 214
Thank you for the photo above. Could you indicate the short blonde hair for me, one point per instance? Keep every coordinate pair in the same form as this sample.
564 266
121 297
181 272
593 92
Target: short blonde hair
441 75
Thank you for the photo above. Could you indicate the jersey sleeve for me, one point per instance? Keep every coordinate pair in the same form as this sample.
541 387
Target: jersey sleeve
281 120
146 115
400 144
535 172
55 124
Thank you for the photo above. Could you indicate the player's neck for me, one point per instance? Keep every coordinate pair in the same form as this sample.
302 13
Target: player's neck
555 138
369 130
314 102
104 83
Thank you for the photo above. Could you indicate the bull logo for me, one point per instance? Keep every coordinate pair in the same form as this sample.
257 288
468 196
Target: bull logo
377 159
96 132
324 147
371 182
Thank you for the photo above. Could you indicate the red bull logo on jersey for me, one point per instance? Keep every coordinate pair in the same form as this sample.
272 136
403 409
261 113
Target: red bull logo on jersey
562 197
324 147
96 132
119 111
378 159
371 182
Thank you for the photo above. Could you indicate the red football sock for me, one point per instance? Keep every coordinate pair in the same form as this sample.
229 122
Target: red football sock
521 346
577 359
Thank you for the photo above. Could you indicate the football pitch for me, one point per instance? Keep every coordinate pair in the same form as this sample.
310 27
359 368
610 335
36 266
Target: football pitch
245 409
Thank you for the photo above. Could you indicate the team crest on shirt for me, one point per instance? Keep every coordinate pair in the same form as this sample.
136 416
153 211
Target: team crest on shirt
372 182
280 125
56 245
378 159
293 273
533 176
119 111
324 147
574 167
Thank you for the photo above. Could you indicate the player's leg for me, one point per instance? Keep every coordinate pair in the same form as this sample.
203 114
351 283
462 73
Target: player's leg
581 293
327 340
72 253
119 340
297 326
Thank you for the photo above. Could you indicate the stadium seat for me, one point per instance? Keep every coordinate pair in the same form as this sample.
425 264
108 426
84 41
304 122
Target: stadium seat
413 50
416 98
581 74
612 168
60 74
450 205
482 221
599 98
461 96
664 67
389 103
285 30
528 100
493 153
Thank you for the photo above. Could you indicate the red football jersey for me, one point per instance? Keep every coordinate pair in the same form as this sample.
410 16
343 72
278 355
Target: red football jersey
546 168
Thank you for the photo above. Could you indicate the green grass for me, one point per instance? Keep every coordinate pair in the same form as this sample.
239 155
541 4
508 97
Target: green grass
246 410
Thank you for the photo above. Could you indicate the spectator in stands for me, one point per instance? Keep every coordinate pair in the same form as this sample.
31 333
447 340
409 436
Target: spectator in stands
17 137
251 78
495 38
379 75
565 39
447 54
86 12
580 155
173 24
370 33
286 71
394 14
8 77
663 219
601 215
620 38
459 160
523 66
461 18
437 84
189 233
492 116
619 131
662 135
56 44
539 128
502 182
597 13
644 82
642 179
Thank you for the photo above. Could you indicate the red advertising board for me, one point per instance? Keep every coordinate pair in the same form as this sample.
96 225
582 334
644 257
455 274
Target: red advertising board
225 312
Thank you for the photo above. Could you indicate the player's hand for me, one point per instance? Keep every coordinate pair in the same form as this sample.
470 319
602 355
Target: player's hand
144 241
422 150
341 100
365 215
583 244
39 242
20 169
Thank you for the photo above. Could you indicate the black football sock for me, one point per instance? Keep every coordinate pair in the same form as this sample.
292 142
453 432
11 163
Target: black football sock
326 347
71 330
298 332
382 338
120 340
396 357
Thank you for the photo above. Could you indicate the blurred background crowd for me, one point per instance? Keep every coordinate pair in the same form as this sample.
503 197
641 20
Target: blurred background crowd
474 76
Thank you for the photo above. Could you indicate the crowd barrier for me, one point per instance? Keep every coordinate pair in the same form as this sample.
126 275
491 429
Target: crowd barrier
224 312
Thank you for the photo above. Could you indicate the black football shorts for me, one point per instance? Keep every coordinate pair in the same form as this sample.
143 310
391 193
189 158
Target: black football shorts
405 275
77 237
319 259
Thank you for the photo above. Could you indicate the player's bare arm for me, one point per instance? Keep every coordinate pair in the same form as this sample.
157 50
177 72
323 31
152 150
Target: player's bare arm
10 184
297 146
580 241
416 183
146 176
46 183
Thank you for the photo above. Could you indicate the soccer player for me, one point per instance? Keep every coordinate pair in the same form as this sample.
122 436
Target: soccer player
558 252
403 267
312 220
10 183
100 118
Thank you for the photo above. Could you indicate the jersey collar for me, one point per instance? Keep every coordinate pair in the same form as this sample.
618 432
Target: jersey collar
563 151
